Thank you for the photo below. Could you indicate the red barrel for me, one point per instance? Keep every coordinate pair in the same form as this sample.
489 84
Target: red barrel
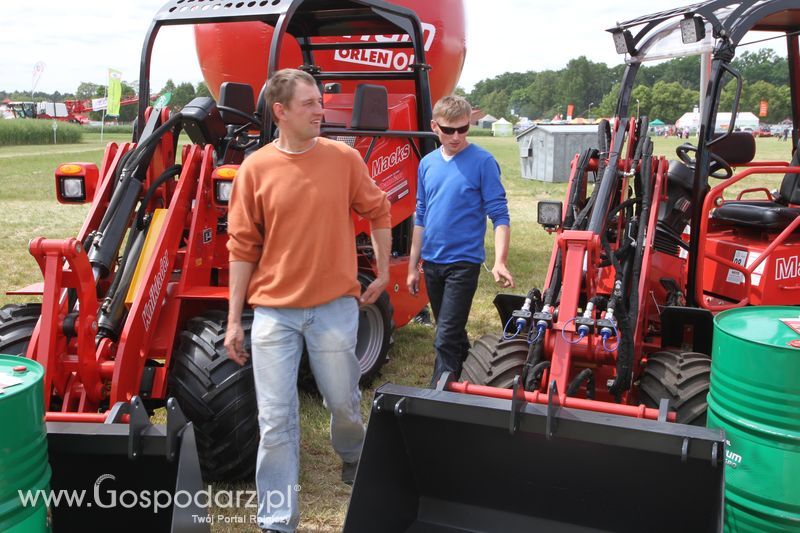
238 51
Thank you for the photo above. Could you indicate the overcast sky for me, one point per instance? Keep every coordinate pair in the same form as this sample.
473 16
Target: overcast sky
79 41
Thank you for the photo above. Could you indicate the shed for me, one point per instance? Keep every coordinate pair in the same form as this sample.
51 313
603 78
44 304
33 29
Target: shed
546 150
486 121
502 128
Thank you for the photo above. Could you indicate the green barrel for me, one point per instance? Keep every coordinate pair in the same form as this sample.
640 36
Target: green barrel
755 398
23 446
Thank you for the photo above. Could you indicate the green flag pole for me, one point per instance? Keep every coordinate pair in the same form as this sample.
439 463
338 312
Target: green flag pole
103 118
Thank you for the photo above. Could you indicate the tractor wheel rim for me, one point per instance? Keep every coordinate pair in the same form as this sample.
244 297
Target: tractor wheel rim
369 341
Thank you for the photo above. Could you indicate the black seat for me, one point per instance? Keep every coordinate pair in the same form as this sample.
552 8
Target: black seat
757 214
772 215
370 108
237 96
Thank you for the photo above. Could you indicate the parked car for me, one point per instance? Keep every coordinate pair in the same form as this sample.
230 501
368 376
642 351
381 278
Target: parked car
763 131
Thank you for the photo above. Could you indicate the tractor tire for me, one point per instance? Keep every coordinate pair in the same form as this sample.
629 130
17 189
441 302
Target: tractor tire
17 322
494 362
218 396
375 330
682 377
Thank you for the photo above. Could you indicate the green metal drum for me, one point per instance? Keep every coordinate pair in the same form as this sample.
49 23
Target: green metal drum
23 446
755 398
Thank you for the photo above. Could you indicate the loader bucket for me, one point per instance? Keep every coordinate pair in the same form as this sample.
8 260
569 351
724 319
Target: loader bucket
438 461
130 477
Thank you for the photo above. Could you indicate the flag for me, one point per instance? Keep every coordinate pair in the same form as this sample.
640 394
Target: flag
570 110
38 68
114 92
763 110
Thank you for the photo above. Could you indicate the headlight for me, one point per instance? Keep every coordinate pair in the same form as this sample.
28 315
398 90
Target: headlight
222 180
76 182
72 189
223 191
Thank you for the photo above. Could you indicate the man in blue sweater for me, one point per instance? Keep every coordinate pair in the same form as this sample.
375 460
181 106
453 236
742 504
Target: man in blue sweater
458 186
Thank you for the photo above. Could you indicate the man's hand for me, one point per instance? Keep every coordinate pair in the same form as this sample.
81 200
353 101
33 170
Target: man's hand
413 280
374 289
234 343
502 276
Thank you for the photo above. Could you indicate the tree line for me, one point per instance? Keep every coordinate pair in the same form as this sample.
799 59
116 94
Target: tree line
665 91
182 94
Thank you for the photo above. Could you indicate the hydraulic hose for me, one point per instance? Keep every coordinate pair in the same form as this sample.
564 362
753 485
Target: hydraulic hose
115 221
536 374
164 177
586 375
535 351
629 307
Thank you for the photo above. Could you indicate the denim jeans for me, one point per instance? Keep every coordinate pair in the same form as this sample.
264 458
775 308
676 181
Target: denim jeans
451 288
329 331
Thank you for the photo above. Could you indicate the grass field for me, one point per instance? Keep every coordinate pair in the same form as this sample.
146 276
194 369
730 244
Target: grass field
30 210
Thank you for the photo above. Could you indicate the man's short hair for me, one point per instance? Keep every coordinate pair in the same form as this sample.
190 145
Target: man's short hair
452 108
281 84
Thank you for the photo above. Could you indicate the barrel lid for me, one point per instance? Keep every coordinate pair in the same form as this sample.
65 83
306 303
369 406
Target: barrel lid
17 374
768 325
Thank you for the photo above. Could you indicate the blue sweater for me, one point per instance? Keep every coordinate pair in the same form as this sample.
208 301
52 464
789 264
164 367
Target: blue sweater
453 200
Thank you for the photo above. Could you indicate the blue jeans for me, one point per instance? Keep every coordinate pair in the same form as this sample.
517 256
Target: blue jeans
451 287
329 331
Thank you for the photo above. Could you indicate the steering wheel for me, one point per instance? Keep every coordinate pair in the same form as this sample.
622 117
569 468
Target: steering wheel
251 119
717 168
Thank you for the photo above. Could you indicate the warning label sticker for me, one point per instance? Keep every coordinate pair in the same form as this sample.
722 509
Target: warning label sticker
793 323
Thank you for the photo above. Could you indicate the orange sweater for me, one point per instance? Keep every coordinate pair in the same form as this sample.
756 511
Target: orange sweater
291 215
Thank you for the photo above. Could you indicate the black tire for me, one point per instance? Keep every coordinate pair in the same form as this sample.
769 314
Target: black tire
218 396
683 378
17 322
494 362
375 329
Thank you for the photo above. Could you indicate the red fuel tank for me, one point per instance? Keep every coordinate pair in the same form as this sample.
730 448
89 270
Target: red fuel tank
239 51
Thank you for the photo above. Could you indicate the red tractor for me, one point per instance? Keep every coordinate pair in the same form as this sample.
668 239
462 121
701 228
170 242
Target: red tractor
587 410
134 308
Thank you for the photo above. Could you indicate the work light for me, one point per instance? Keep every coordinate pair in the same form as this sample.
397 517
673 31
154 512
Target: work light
549 214
692 30
623 42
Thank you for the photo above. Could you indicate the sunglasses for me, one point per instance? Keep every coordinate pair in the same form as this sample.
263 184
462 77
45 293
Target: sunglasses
447 130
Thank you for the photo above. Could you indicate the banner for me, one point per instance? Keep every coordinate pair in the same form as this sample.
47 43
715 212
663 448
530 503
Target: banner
162 101
114 92
98 104
763 109
38 69
570 110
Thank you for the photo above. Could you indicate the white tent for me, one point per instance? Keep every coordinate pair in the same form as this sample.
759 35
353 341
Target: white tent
502 128
486 121
743 120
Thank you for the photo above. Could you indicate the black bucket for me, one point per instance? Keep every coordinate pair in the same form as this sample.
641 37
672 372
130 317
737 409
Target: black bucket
129 477
437 461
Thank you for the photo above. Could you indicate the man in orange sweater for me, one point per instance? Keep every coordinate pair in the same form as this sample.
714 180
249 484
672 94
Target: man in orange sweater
292 255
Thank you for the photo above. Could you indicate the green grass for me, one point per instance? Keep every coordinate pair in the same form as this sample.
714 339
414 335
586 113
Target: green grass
30 210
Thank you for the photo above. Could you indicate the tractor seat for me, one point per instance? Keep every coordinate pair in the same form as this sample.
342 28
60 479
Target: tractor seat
766 214
370 108
238 96
756 214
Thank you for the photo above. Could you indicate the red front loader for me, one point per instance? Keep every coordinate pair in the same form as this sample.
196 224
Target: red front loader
134 308
587 411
